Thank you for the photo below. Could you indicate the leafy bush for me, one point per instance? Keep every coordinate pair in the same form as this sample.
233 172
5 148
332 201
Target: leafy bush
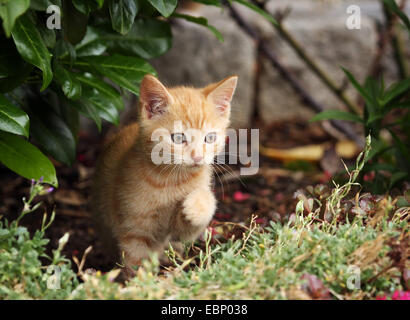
386 109
48 77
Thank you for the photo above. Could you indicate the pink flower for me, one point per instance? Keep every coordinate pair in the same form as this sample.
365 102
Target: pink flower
239 196
401 295
397 295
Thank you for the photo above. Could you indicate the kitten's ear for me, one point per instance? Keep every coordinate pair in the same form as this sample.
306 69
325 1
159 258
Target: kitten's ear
222 92
154 97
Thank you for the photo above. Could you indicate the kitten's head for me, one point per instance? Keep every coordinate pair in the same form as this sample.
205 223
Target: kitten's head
191 122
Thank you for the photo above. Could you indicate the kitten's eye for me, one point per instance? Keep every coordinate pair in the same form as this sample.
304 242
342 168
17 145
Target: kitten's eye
210 137
178 138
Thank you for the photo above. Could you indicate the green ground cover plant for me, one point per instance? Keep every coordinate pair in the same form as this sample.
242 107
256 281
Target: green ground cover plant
339 244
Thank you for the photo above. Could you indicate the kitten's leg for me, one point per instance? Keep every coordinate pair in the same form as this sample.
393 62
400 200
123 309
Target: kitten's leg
197 211
135 248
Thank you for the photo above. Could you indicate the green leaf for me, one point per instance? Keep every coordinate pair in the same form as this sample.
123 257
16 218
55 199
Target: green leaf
69 84
104 89
91 45
74 23
105 107
336 115
25 159
397 177
165 7
42 5
258 10
374 116
378 147
53 134
100 3
86 6
375 93
10 11
401 146
127 72
148 38
201 21
392 5
87 109
12 118
215 3
396 90
358 87
123 13
31 47
48 35
380 167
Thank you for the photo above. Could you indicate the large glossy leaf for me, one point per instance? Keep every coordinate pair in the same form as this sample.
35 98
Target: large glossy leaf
336 115
53 134
123 13
105 107
22 157
10 11
165 7
12 118
31 47
104 89
69 83
201 21
91 45
87 109
48 35
127 72
148 38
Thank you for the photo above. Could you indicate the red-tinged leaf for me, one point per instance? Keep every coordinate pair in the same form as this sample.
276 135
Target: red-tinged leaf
315 287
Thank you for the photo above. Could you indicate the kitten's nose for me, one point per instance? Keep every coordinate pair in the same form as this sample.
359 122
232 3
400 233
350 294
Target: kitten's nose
197 159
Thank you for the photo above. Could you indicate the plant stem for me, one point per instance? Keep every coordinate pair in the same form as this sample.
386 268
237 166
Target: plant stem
312 64
396 40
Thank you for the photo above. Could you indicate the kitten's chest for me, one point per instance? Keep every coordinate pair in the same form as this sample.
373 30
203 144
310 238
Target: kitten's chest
145 195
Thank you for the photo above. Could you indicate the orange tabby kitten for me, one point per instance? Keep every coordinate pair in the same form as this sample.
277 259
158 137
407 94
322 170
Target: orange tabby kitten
144 204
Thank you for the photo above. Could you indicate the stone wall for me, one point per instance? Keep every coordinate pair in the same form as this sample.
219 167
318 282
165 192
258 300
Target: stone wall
198 58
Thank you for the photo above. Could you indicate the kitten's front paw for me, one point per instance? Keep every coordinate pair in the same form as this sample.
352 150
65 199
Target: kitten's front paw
199 207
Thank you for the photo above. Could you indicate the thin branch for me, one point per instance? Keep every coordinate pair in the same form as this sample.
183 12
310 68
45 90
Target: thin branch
294 83
396 39
312 64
